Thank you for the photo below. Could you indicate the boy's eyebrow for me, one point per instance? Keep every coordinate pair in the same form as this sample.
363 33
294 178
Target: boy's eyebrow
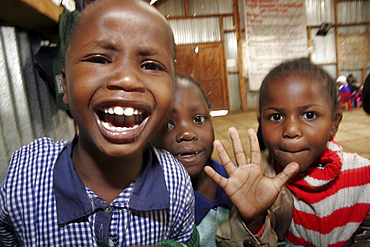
149 52
192 108
152 50
311 105
272 108
103 43
114 45
282 109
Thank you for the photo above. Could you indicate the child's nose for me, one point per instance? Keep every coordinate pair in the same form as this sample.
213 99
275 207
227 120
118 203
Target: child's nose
187 136
292 129
126 79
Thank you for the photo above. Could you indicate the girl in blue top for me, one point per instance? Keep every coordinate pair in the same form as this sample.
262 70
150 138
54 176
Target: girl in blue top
189 136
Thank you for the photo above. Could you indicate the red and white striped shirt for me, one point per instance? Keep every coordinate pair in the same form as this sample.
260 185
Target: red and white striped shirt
330 200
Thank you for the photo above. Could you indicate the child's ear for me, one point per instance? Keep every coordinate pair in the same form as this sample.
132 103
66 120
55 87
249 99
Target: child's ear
65 91
335 123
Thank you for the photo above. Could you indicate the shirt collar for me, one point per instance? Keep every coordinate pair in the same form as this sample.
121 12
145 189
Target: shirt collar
73 202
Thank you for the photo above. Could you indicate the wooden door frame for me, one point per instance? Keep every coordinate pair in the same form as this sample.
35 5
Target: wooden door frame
224 79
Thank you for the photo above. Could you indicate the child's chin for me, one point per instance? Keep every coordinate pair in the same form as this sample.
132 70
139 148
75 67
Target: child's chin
194 170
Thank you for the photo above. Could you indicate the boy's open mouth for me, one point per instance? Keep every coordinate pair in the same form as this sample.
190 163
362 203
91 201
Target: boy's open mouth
187 154
189 157
119 118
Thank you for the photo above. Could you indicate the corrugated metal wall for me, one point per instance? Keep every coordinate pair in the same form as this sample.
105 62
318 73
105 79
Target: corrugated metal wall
348 12
203 7
206 30
27 108
317 11
353 12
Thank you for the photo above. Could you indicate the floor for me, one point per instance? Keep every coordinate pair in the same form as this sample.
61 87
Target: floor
353 133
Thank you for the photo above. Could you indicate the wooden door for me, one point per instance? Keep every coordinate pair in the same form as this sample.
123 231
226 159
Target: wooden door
206 64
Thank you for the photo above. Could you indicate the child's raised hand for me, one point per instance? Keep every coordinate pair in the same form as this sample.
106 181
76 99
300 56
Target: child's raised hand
251 192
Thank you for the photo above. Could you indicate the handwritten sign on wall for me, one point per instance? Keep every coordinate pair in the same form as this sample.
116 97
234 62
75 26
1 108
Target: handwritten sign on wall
275 31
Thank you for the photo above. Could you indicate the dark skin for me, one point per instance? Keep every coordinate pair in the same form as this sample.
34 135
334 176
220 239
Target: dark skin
297 128
188 135
189 126
251 192
297 121
118 82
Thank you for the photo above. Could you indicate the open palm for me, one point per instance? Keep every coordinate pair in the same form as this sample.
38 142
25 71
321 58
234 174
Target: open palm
251 192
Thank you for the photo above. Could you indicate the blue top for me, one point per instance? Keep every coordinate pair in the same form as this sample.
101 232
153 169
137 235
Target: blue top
344 89
43 202
209 215
203 205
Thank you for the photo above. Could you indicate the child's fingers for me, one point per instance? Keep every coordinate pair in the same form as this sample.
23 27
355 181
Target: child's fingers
224 157
254 147
217 178
239 153
289 172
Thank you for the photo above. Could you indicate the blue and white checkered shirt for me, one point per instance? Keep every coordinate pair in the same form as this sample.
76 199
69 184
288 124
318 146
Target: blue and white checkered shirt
43 202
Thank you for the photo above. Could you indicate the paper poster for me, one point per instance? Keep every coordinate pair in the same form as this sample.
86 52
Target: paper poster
275 31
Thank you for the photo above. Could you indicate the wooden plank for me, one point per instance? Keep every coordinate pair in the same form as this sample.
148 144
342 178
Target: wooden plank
46 8
32 15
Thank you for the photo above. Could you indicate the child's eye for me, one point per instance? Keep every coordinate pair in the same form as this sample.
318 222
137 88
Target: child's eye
275 117
150 65
169 126
309 115
97 59
199 119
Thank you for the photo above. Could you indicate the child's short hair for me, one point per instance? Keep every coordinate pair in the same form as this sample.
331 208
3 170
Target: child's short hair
366 95
75 27
179 77
302 67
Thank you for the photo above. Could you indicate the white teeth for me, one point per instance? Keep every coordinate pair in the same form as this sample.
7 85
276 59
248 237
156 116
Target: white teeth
119 110
129 111
180 155
117 129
